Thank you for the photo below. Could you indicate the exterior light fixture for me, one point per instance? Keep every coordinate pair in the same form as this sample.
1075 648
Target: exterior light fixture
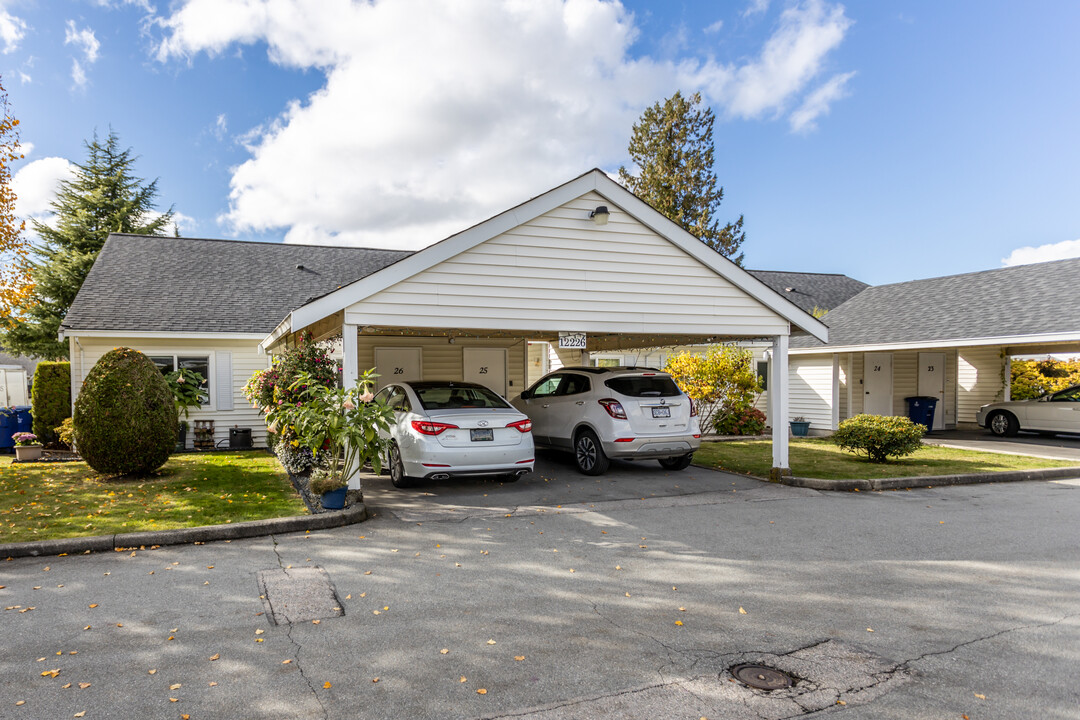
600 215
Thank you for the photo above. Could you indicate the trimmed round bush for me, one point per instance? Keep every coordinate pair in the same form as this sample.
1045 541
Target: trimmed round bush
125 416
879 437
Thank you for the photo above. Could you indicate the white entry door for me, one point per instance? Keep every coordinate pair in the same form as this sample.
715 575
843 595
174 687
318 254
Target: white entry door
877 384
485 366
932 383
397 364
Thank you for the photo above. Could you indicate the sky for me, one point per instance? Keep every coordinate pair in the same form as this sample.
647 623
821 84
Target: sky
886 140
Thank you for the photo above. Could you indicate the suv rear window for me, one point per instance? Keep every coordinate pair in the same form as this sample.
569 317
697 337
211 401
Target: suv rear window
644 386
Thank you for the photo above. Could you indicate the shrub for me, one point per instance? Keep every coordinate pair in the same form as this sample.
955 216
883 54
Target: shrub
748 421
878 437
125 416
721 382
186 386
65 433
51 398
1035 378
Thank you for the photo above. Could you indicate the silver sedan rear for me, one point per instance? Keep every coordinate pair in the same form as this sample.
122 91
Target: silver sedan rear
447 429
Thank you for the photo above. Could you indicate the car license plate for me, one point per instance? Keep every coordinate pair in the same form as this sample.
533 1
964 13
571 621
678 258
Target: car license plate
661 412
478 434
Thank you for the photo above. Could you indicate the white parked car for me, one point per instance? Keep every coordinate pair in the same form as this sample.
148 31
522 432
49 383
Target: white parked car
1053 413
602 413
453 429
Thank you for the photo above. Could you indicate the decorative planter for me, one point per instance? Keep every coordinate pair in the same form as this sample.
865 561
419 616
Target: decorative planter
27 452
335 499
800 429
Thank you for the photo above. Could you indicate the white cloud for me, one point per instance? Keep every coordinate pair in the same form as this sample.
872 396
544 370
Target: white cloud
817 103
436 114
86 42
1043 253
221 126
184 224
714 27
756 7
36 184
12 31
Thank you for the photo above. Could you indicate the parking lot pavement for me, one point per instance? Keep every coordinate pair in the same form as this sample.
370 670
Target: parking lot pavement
911 604
1053 447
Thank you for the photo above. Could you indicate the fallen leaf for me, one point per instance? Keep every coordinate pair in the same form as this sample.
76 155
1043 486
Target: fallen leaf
444 651
519 658
185 717
368 572
66 686
174 699
376 612
86 628
618 567
79 714
627 594
375 680
981 697
119 624
741 611
678 622
209 567
151 672
19 702
841 702
571 569
259 631
326 685
172 637
258 639
215 656
462 679
682 609
869 629
349 596
175 686
363 594
93 605
83 686
481 691
490 642
53 673
316 622
213 684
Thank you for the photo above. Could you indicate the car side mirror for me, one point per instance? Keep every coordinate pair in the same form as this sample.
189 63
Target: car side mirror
526 394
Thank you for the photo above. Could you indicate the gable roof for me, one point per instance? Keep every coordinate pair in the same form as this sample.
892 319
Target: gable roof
810 291
592 181
144 283
1020 301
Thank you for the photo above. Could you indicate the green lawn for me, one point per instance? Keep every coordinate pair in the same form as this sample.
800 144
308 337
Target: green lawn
820 458
39 501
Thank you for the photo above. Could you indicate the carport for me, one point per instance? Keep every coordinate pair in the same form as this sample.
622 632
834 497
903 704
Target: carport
586 262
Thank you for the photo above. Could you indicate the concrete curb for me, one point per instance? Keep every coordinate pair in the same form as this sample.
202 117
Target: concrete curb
932 480
182 536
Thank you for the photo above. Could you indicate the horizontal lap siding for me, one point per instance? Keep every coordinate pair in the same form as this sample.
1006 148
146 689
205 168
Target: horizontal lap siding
978 380
246 359
810 390
561 272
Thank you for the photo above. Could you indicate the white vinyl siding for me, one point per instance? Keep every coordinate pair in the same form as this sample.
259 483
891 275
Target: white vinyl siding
979 380
441 360
560 272
810 390
244 359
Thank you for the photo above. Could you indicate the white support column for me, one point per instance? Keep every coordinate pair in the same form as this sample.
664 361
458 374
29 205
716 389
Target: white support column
835 419
350 372
1008 378
778 407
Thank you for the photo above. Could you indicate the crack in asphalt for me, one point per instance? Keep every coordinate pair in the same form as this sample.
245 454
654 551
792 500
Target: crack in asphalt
295 644
1006 631
577 701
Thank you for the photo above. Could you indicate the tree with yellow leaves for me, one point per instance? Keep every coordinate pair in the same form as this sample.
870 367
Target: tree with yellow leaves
16 285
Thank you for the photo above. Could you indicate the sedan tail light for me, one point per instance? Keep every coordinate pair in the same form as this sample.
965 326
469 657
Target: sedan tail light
430 427
522 426
693 408
614 408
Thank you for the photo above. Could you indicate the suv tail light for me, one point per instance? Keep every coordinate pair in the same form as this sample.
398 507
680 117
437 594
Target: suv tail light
614 408
522 426
693 408
430 427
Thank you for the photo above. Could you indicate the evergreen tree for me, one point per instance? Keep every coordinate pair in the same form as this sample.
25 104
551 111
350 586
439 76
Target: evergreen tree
673 150
103 197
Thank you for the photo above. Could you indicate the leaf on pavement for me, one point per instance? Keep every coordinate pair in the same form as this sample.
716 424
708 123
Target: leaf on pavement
326 685
83 686
519 658
981 697
490 642
462 679
678 622
481 691
175 686
741 611
444 651
286 662
79 714
215 656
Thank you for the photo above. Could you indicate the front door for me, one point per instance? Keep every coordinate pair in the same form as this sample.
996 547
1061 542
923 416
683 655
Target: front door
877 384
932 383
485 366
397 364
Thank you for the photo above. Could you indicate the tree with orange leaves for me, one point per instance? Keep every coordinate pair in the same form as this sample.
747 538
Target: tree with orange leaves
16 285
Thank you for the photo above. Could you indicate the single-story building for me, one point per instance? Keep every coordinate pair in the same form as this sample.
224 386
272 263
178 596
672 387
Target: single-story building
586 262
946 337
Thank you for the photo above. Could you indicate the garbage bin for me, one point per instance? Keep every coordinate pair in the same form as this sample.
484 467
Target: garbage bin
9 425
920 409
24 419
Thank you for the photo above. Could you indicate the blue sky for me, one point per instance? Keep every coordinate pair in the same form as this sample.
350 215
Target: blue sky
884 140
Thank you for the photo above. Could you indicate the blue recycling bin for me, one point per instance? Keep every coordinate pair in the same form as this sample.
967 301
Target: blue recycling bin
9 425
921 410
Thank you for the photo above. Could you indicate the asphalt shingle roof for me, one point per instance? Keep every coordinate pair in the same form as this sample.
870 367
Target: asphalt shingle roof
811 290
168 284
1020 300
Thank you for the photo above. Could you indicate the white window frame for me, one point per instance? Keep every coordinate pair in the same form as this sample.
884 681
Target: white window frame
211 366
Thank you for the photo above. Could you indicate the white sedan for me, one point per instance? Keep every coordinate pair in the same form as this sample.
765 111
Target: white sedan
1053 413
447 429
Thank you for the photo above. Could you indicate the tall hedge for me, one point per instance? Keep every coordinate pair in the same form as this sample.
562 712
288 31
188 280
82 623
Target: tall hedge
50 400
125 417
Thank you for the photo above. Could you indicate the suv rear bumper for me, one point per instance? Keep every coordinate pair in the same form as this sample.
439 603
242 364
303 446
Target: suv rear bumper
647 448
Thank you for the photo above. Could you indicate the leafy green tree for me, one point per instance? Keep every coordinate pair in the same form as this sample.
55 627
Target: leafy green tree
672 148
103 197
721 382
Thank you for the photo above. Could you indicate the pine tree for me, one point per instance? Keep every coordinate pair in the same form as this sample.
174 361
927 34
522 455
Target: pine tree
15 283
103 197
673 150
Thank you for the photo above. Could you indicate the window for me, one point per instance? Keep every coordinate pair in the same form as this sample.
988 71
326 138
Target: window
608 362
196 363
437 396
644 386
763 374
574 385
548 386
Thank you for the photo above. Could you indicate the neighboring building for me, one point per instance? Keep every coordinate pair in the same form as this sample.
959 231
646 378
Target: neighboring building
947 337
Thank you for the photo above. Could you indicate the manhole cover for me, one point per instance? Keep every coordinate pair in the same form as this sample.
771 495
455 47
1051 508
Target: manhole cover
761 677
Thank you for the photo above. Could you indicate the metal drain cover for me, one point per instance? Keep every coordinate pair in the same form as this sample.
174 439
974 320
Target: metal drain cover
761 677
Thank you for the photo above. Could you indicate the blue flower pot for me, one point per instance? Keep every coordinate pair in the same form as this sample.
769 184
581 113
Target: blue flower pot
335 499
800 429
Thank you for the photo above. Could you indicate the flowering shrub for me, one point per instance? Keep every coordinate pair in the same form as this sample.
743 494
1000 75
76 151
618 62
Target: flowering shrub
24 438
747 421
65 433
297 459
721 381
186 386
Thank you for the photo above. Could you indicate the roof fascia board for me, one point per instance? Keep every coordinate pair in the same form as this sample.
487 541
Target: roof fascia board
177 335
440 251
955 342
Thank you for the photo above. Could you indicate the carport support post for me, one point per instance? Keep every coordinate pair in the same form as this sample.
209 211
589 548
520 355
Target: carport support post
778 407
350 372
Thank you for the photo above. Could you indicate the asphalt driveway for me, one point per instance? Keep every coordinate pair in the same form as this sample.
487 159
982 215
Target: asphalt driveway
1054 447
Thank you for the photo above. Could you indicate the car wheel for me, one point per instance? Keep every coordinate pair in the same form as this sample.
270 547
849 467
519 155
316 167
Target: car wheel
1003 424
589 455
397 469
676 463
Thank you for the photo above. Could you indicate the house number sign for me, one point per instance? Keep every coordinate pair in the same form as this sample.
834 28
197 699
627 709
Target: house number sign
573 340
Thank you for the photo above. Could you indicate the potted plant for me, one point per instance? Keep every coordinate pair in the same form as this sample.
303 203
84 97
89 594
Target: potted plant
26 446
186 386
800 426
331 488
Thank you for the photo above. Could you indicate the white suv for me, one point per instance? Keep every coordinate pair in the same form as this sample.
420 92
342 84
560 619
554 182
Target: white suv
602 413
